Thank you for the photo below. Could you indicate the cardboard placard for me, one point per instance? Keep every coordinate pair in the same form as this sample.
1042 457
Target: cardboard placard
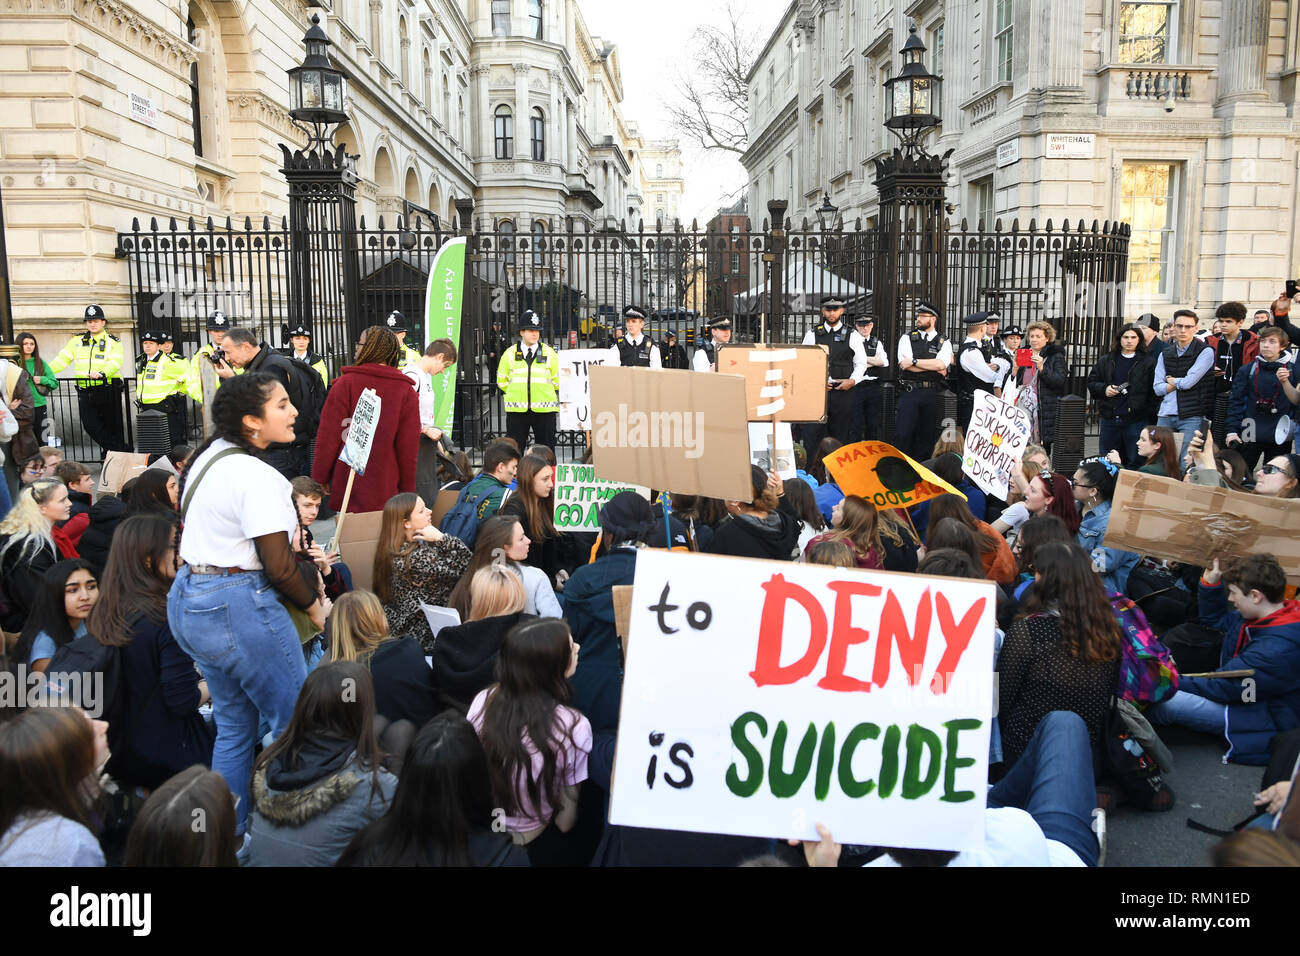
803 694
622 612
787 382
357 546
579 496
442 504
361 431
119 468
780 458
575 386
885 476
671 430
1195 524
996 438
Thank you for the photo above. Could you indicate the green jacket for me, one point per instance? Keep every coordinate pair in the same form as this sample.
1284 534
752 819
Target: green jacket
47 382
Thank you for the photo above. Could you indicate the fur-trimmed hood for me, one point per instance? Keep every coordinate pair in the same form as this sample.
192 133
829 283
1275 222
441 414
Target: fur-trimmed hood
297 807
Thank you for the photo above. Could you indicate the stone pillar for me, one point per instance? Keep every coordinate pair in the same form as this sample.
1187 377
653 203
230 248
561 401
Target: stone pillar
435 57
1242 51
523 147
571 137
554 126
483 148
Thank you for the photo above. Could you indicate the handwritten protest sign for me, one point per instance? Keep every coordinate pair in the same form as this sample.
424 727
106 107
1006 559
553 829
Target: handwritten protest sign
995 442
361 432
788 383
800 694
575 391
772 452
1195 524
884 475
579 496
671 430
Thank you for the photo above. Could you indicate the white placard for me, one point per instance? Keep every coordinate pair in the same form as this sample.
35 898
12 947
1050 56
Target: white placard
1008 153
575 394
873 690
996 437
761 452
1070 145
361 431
439 617
143 110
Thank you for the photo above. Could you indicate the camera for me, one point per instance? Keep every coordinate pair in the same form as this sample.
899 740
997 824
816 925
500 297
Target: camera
218 355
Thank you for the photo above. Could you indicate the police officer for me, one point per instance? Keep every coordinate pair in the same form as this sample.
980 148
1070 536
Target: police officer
672 355
867 394
96 359
637 349
299 336
529 377
156 384
706 356
993 340
923 359
179 420
978 367
494 346
846 364
396 323
217 326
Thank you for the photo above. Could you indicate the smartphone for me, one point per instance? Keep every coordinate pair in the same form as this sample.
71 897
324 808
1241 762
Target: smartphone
1024 358
1205 428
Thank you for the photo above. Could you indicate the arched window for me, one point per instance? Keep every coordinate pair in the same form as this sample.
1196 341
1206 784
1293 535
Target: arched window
404 51
506 231
659 170
428 81
501 18
535 19
539 240
539 134
505 133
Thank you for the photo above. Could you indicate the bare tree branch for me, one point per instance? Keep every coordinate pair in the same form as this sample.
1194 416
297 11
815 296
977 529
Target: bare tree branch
713 99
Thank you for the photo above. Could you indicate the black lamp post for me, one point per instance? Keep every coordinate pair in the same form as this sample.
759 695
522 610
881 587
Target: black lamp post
324 274
910 97
826 212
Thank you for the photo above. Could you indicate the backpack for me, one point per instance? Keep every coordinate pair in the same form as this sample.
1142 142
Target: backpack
307 392
466 514
71 674
1147 672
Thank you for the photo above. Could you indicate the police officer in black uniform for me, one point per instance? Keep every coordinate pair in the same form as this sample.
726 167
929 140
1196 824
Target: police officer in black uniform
636 349
705 358
845 368
867 394
672 355
977 367
923 359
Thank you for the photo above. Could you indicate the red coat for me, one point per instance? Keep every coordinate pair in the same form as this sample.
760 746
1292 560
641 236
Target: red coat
391 467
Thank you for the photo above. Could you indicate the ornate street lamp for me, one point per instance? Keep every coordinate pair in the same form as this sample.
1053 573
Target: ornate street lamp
317 89
910 97
826 212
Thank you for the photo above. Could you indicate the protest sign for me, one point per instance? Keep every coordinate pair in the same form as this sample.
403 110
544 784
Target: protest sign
786 383
671 430
579 496
622 594
119 468
884 475
442 307
361 432
356 546
772 453
575 390
995 442
804 694
1195 524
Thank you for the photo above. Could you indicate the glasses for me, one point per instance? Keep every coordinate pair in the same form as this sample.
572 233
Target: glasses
1272 469
1080 484
1184 327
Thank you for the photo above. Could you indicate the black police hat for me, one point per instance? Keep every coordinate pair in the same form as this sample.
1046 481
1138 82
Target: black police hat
1011 330
720 322
633 312
832 302
217 322
529 320
977 318
863 319
150 337
164 336
396 322
928 309
670 334
94 312
298 328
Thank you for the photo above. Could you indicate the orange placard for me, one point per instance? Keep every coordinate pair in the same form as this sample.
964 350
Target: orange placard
885 476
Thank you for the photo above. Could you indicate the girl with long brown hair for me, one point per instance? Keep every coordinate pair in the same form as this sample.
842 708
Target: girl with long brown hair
1158 452
501 540
995 555
855 522
358 632
1062 653
533 505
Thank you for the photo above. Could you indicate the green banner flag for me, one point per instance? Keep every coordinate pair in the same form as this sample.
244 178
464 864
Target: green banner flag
442 305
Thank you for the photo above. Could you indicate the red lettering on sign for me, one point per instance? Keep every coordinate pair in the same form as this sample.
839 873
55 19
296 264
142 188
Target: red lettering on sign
957 635
771 631
911 647
844 635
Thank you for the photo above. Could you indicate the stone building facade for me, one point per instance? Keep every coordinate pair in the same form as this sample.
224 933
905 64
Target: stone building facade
1176 116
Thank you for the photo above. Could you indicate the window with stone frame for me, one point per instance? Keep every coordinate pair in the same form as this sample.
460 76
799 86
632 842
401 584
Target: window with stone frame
1148 203
501 18
505 133
538 130
936 67
1003 39
1147 31
535 19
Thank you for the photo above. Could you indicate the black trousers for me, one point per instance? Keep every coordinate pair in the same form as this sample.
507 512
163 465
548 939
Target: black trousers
542 425
287 461
177 422
426 471
839 420
101 415
868 401
916 427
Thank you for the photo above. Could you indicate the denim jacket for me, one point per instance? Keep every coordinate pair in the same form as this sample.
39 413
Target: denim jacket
1113 563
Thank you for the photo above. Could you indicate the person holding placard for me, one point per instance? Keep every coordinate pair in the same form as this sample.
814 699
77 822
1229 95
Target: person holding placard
529 377
977 366
706 356
923 359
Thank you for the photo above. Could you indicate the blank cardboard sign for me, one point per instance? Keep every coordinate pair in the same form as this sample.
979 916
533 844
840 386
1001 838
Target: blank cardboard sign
1195 524
788 382
671 430
357 546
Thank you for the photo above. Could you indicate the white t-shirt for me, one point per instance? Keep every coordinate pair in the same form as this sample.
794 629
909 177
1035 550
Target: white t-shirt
424 390
240 498
1011 838
1015 515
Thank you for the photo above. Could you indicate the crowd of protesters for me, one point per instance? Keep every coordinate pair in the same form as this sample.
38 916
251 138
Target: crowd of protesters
316 723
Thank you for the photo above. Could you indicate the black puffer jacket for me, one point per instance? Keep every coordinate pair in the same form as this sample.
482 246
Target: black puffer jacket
1052 381
775 537
465 655
105 515
1140 394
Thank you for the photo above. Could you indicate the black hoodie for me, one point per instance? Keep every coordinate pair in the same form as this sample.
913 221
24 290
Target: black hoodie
464 657
775 537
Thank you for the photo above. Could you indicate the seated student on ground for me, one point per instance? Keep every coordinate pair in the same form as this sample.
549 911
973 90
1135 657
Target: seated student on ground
701 516
827 492
1032 462
30 544
414 563
1261 633
51 759
801 466
65 597
501 540
757 529
488 487
1034 533
1049 493
536 745
899 540
1094 487
995 555
1156 451
164 833
307 497
948 467
81 485
162 732
321 780
797 499
465 655
1276 478
854 521
835 553
442 812
555 553
358 631
1063 653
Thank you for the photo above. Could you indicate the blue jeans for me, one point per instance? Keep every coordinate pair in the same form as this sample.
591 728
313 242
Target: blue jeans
1052 782
235 629
1192 711
1187 426
1121 436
